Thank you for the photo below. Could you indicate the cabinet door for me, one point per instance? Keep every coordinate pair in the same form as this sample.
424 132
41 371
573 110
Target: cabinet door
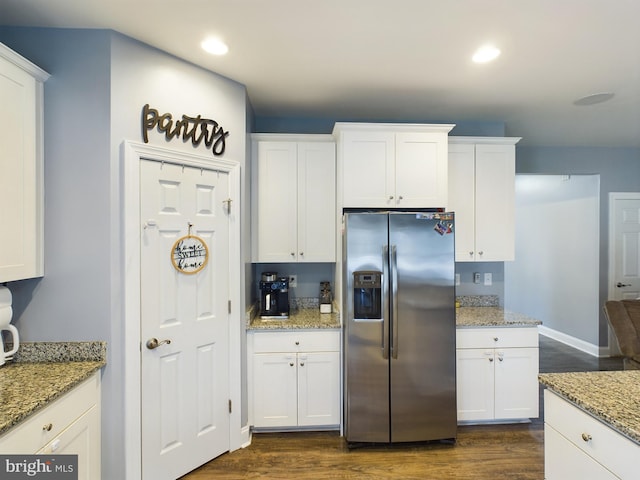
462 199
421 170
475 384
275 390
316 202
516 383
20 175
495 202
277 201
368 171
81 438
318 388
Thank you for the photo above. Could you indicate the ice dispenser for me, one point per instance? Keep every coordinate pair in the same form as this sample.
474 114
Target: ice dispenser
367 295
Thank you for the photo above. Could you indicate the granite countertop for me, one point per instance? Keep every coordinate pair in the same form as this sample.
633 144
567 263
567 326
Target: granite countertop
42 372
611 397
492 317
302 317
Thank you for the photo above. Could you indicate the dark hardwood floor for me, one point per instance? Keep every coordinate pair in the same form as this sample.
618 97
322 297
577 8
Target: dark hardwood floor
481 452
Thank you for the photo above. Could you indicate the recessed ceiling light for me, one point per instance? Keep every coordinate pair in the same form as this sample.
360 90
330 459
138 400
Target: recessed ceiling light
486 54
594 98
214 46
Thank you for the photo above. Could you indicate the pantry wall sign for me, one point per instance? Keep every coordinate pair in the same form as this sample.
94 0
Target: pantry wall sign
196 129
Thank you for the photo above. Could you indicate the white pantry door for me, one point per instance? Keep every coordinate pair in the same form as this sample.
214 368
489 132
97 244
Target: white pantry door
625 245
185 383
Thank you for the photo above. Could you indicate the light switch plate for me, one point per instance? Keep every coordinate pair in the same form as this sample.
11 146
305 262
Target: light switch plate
488 280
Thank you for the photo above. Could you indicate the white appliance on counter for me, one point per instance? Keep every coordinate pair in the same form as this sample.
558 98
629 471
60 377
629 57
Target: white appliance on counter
6 313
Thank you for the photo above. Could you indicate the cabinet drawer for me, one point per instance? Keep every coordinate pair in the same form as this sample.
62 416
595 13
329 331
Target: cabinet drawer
507 337
303 341
32 434
605 445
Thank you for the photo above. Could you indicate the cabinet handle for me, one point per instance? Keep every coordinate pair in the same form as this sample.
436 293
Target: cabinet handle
291 364
293 254
586 437
390 197
301 254
297 343
480 252
471 254
302 364
47 427
491 359
495 339
400 197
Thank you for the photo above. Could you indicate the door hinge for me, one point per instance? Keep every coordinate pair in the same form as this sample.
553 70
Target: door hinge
229 306
230 409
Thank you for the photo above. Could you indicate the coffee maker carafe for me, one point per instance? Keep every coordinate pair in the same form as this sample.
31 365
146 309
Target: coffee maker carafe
274 296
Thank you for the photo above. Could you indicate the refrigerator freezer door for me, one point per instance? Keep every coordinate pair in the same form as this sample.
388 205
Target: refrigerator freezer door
423 368
366 368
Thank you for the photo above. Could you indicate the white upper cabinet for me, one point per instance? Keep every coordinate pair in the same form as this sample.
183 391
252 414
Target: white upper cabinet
482 195
392 165
21 167
293 198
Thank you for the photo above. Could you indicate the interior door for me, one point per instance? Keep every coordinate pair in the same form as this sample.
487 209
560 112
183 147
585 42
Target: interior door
625 246
184 371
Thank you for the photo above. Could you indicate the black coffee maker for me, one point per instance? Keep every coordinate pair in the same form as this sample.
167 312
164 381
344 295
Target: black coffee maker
274 296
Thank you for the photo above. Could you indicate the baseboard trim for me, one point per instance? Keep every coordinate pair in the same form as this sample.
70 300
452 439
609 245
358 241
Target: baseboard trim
574 342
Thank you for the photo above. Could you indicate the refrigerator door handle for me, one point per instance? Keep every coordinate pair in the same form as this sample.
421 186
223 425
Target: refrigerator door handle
394 302
385 306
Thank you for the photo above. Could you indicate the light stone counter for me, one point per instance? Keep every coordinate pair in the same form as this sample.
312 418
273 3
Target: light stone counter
611 397
492 317
42 372
309 318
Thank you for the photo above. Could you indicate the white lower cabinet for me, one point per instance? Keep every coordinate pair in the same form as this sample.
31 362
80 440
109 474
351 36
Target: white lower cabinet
497 374
577 445
69 425
295 379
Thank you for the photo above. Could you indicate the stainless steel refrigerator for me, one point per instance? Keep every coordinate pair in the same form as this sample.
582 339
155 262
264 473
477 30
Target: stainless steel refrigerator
399 305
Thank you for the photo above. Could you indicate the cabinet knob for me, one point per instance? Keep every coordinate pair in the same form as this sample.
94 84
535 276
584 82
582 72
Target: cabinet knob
301 254
302 364
291 364
495 339
297 343
480 252
491 359
293 254
400 197
586 437
47 427
390 197
471 254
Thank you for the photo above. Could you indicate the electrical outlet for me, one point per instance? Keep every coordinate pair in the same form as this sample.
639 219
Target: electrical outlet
476 277
293 281
488 280
457 279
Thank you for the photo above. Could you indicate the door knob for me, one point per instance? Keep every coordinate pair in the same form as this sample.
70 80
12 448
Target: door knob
155 343
620 284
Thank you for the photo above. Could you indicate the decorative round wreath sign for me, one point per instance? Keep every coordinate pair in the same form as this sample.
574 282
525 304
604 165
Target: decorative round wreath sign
189 254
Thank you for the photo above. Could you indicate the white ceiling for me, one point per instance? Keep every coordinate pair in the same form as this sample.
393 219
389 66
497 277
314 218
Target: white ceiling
400 60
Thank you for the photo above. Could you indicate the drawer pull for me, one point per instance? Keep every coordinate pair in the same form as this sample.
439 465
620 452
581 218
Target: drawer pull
47 427
586 437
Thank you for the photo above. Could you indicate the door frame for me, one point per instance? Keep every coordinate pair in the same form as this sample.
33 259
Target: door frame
613 198
132 153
